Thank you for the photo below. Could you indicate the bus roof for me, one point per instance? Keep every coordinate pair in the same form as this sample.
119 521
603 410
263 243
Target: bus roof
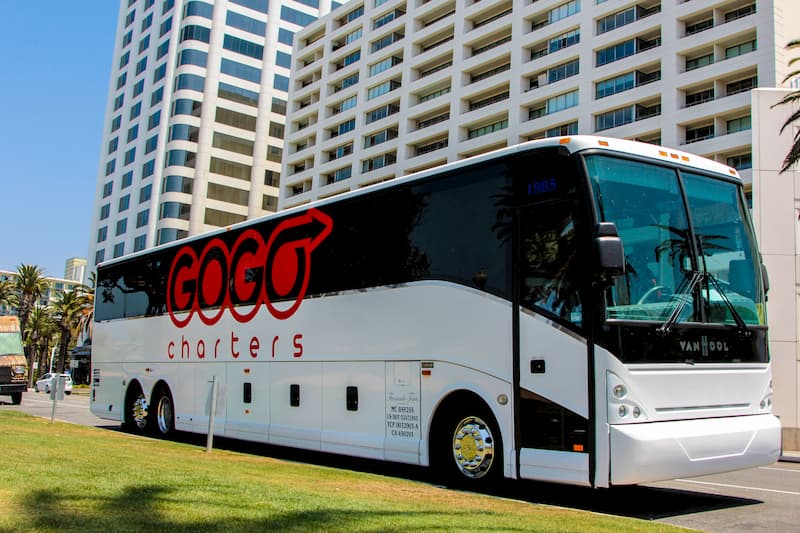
573 144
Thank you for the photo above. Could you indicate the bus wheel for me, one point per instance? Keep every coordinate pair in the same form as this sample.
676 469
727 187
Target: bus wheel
165 414
136 408
471 449
16 398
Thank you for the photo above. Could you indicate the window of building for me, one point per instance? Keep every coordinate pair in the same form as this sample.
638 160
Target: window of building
151 144
136 110
245 23
240 70
111 166
122 226
383 88
614 118
739 49
237 94
230 168
231 195
142 218
243 47
138 88
102 234
99 256
105 211
182 158
699 133
139 243
144 44
193 32
175 210
615 85
126 180
145 193
133 132
108 188
124 203
157 96
177 184
113 144
738 124
235 119
148 168
480 131
154 120
119 249
130 155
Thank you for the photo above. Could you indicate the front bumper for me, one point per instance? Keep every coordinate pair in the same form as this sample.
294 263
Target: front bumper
684 448
10 388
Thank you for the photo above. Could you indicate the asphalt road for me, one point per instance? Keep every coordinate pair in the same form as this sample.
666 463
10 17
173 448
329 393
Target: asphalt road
758 499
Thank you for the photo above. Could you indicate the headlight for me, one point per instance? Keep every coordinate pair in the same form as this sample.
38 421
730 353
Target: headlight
19 369
623 405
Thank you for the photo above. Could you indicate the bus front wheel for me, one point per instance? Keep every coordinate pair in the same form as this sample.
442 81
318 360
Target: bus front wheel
16 398
164 411
469 448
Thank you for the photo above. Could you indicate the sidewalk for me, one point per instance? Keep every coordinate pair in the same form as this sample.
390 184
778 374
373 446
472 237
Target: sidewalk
789 456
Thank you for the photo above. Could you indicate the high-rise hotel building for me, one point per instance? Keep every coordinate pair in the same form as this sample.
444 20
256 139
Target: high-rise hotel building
383 88
194 123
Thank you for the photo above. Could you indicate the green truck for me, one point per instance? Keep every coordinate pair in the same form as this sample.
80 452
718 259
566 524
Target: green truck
13 365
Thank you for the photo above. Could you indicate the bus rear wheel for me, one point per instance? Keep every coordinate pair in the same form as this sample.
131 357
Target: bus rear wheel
469 448
16 398
165 412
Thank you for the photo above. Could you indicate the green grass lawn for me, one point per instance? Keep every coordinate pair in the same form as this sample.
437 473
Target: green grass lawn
64 477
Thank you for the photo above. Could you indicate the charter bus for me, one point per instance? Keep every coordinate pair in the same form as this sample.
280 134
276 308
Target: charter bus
581 310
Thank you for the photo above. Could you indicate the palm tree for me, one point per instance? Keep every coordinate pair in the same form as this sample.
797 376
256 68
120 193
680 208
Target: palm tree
67 312
88 312
30 284
8 293
794 153
41 330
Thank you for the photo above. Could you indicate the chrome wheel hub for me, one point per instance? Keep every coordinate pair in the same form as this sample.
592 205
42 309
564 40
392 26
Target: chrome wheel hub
164 415
473 447
139 411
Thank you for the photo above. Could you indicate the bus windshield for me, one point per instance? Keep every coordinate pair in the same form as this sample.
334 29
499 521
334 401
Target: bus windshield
689 247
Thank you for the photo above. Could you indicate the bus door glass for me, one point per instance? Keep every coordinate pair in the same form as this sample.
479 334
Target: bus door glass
553 361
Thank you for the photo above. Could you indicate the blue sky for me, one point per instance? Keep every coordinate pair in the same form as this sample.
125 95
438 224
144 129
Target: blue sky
55 59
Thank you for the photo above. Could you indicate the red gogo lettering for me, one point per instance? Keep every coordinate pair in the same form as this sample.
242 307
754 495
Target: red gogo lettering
251 271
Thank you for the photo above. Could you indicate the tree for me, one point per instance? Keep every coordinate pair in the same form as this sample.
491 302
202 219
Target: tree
41 330
8 293
67 311
30 285
88 312
794 152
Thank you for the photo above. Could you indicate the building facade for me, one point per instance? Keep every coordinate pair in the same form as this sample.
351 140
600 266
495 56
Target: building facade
55 287
383 88
194 122
75 269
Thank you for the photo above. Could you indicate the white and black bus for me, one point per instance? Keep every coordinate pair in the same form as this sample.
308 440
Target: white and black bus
581 310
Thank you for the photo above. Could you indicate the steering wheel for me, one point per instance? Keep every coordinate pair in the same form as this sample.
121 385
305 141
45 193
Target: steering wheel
656 294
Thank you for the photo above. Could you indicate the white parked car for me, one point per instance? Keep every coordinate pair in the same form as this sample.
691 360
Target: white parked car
45 383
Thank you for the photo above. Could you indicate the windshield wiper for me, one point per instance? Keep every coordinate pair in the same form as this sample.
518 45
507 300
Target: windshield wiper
741 327
680 294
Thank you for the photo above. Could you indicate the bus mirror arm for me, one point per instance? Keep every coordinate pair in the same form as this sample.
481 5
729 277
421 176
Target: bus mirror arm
609 251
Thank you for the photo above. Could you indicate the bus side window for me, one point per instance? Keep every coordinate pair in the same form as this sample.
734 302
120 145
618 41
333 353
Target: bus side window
548 263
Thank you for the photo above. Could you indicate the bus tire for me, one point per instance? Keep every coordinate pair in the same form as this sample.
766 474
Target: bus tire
164 411
16 398
135 417
468 448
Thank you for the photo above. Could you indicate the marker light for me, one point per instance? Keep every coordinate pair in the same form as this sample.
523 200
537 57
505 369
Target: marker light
620 391
623 411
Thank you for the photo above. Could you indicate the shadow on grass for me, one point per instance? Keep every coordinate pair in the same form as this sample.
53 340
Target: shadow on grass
136 509
635 501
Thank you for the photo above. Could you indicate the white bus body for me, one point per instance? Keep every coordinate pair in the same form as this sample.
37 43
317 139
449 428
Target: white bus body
442 368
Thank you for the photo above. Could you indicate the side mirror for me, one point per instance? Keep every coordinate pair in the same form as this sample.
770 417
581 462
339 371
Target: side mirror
765 279
609 251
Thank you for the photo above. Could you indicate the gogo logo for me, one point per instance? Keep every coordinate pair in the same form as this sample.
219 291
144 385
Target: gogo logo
252 272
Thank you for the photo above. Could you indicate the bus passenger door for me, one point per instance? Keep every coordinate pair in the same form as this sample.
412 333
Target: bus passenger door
552 404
